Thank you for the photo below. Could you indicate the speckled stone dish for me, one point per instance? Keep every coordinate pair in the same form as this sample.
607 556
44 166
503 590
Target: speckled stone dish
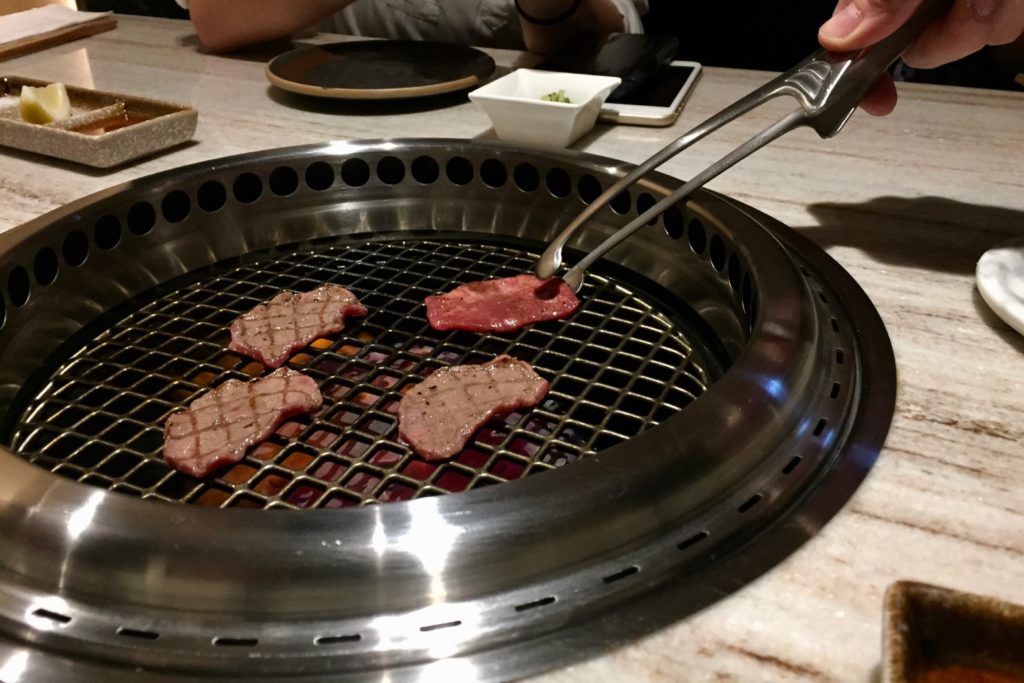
106 129
938 635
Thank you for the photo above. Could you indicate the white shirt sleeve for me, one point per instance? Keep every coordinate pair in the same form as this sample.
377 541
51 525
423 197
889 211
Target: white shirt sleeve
631 11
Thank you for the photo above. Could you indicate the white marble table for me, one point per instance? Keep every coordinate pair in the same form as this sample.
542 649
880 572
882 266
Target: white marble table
907 204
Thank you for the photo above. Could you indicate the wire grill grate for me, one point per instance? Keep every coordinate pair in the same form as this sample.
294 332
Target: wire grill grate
617 366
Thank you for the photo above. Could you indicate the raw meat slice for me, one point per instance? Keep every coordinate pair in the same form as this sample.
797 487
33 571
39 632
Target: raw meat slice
502 305
219 426
438 416
272 331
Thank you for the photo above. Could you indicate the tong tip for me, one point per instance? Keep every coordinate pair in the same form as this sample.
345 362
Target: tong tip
548 263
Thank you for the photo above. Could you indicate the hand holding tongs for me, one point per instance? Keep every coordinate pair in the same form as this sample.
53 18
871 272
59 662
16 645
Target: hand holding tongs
829 86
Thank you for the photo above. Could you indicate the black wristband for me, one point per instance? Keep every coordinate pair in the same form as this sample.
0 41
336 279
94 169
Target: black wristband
553 20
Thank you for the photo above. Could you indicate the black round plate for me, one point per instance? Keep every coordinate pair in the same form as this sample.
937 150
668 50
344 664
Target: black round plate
379 69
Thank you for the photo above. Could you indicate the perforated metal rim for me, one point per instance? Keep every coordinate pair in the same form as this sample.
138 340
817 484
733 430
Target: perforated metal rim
515 599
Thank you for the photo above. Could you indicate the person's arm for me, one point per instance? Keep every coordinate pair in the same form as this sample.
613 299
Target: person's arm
593 19
224 25
969 26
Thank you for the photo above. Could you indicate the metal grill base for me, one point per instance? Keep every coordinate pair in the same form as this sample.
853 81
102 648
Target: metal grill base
724 390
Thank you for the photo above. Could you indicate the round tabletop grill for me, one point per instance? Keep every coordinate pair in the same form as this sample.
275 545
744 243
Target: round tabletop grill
710 407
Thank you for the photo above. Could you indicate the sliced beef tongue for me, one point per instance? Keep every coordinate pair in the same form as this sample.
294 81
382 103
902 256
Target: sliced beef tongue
272 331
437 417
219 426
502 305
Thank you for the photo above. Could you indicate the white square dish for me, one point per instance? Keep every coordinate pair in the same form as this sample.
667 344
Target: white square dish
518 113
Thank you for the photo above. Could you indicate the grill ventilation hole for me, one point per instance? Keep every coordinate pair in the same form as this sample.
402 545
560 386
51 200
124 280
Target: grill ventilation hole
693 540
754 500
224 641
559 183
618 576
107 232
319 176
735 274
355 172
698 237
75 248
792 464
18 286
333 640
176 206
535 604
45 266
459 170
747 294
247 188
390 170
283 181
136 633
141 218
589 189
674 225
527 177
621 202
493 173
425 170
644 202
438 627
717 253
52 616
211 196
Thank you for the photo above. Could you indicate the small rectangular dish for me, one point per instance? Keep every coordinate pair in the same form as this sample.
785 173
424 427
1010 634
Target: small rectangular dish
105 129
938 635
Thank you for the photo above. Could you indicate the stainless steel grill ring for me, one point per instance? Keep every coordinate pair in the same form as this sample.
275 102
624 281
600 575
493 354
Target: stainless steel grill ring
723 390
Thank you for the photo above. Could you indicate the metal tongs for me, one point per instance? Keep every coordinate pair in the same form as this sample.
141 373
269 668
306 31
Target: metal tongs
828 86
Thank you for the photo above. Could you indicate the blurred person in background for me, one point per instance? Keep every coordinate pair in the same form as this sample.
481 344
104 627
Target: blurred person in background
535 25
978 43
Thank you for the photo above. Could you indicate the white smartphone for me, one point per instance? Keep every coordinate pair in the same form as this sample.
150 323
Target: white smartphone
657 101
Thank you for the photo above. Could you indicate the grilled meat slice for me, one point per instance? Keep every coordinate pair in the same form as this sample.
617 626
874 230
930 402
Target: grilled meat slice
219 426
271 332
438 416
502 305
